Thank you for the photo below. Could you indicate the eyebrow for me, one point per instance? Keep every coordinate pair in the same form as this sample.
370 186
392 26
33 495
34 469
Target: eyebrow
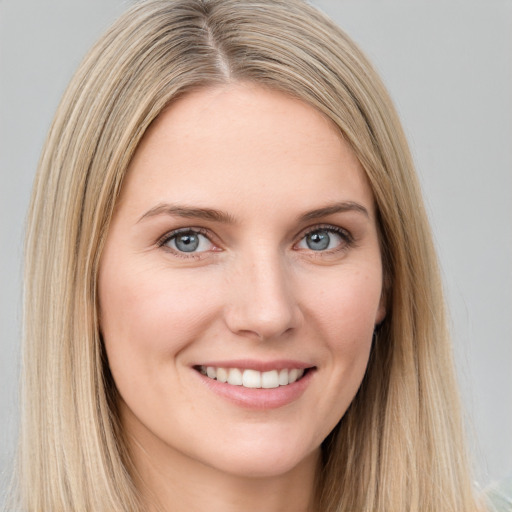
345 206
189 213
212 214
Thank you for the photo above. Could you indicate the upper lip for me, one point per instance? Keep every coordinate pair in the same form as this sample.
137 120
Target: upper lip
253 364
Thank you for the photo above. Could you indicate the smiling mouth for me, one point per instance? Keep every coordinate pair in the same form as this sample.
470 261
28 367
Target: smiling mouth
253 378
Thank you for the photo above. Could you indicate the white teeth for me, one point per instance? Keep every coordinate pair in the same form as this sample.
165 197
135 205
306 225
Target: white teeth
270 379
235 377
252 378
222 375
292 375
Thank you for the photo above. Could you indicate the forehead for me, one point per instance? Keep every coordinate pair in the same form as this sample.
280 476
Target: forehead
242 143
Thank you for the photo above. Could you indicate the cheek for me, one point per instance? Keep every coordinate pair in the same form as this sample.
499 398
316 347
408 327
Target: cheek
148 319
347 306
345 313
149 316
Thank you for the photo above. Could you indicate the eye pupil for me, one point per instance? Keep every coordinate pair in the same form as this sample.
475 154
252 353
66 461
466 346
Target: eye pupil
318 240
187 242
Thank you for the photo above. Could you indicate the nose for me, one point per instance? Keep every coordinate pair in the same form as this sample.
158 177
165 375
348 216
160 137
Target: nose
262 302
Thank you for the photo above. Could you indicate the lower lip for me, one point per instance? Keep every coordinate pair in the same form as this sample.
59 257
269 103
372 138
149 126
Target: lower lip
259 398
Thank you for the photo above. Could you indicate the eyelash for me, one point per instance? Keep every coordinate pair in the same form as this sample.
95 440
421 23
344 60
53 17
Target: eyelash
173 234
345 235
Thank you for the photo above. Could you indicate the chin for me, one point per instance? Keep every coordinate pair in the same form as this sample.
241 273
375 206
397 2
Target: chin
264 460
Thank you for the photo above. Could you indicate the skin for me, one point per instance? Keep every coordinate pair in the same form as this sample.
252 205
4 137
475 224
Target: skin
254 289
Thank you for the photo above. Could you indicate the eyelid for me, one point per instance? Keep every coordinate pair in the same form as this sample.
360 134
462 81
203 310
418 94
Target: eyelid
169 235
173 232
348 240
344 233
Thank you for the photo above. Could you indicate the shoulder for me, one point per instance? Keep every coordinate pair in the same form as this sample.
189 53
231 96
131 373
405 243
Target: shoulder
499 495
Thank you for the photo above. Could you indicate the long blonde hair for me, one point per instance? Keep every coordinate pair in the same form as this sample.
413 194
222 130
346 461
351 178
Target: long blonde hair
400 445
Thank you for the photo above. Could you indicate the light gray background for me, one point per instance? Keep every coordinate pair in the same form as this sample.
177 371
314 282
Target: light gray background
448 65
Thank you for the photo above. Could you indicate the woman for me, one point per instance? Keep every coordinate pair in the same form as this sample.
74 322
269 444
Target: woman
249 311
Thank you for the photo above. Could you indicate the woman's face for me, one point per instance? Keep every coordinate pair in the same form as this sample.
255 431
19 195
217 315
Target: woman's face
244 246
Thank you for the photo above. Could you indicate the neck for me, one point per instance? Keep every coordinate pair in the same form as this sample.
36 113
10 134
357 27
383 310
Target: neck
179 484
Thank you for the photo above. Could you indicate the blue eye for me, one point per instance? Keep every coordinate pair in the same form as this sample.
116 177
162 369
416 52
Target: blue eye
188 241
318 240
323 239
